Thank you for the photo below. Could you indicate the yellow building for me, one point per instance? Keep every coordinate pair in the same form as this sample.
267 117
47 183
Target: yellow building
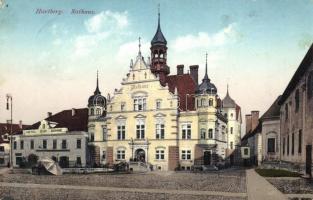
163 121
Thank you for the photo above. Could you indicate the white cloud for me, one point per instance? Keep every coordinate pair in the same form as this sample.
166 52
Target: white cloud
204 40
99 28
84 44
107 20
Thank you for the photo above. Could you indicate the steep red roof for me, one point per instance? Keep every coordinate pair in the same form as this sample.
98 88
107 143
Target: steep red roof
65 119
185 85
6 128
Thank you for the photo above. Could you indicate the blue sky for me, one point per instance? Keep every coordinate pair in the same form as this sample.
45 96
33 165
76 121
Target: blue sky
49 62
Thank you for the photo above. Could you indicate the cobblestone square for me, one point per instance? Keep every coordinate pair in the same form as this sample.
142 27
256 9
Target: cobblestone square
159 185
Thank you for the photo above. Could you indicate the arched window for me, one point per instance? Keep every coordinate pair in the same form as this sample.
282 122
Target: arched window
92 111
202 102
210 102
98 111
310 85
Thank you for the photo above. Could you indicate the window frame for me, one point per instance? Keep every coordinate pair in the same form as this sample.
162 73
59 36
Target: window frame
186 131
159 131
121 132
186 154
160 154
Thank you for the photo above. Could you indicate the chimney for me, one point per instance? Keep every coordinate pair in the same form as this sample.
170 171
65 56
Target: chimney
194 72
73 112
20 125
248 123
254 119
49 114
180 69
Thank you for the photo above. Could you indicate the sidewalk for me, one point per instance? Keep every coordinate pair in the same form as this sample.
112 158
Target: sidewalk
259 189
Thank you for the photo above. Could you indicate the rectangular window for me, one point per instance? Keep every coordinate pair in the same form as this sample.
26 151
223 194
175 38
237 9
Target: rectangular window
92 137
54 144
140 131
139 104
14 145
22 144
78 143
300 142
186 131
186 155
64 144
120 155
78 160
123 106
1 149
231 145
158 104
159 131
159 155
121 132
271 145
104 136
202 134
103 155
32 144
288 144
293 144
231 130
44 144
211 133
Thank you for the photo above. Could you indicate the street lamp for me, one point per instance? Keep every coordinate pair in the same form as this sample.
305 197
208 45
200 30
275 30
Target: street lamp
10 107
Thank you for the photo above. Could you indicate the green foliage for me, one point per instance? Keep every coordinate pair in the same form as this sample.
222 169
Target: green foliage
276 173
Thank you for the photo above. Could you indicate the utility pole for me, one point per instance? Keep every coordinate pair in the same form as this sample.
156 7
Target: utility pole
10 107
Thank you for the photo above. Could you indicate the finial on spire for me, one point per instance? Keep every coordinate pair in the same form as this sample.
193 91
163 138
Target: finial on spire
227 89
97 91
159 14
139 45
206 77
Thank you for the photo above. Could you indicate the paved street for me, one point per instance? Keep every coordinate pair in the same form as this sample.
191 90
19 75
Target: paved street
228 184
166 185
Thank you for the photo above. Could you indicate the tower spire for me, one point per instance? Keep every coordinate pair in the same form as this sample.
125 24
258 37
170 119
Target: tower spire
227 94
97 91
158 15
206 77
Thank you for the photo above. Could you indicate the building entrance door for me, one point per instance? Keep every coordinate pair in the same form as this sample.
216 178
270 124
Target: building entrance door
207 158
140 155
308 160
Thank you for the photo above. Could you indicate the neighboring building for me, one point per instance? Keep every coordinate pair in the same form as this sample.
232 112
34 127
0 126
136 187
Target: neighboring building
253 137
263 135
166 121
271 133
61 137
297 116
232 113
5 130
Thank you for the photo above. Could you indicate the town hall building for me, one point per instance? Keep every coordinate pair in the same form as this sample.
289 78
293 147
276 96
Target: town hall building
164 121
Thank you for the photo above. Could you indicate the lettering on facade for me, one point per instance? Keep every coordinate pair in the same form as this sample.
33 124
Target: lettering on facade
139 86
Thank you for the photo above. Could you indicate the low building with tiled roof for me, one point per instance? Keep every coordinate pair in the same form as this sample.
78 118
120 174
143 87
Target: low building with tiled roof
5 131
62 137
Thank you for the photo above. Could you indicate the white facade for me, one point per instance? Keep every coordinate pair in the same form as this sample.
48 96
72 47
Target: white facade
56 143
